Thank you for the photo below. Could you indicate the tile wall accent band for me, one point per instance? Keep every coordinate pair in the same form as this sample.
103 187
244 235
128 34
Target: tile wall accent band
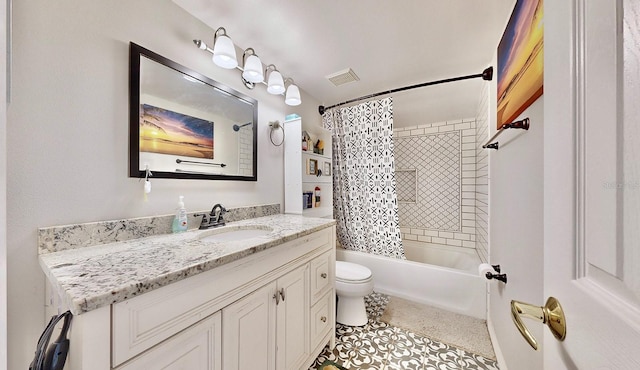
456 239
58 238
245 151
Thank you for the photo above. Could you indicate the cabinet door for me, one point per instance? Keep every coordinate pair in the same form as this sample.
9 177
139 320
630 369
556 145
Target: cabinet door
249 331
293 320
196 348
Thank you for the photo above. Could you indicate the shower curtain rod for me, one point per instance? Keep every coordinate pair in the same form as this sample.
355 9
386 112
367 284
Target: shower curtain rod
486 75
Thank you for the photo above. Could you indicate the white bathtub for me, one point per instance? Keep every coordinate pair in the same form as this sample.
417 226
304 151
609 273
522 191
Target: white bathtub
444 277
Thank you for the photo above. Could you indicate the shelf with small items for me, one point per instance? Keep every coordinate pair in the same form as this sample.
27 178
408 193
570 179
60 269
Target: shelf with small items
310 154
308 169
314 204
315 168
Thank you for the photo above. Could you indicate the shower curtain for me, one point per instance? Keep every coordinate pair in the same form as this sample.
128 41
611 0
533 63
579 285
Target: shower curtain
364 184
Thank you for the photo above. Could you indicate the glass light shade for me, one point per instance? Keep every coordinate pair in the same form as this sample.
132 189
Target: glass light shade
224 53
276 83
293 95
253 69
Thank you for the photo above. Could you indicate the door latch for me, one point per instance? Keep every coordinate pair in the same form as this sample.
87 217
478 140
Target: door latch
551 314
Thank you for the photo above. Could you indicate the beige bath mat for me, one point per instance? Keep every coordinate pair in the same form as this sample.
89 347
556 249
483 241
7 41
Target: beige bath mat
464 332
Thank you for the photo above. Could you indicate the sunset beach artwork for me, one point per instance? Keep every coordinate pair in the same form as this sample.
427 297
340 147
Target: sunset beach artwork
520 61
167 132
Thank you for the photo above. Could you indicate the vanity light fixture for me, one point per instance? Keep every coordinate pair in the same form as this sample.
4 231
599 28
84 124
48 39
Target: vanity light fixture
224 52
275 84
252 67
224 55
292 96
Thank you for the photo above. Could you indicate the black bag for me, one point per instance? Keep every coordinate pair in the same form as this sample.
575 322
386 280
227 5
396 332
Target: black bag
53 357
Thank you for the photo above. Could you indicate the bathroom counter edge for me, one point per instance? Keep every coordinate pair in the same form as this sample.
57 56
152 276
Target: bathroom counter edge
92 277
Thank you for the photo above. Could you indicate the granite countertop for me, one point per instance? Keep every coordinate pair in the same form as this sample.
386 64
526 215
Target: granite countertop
95 276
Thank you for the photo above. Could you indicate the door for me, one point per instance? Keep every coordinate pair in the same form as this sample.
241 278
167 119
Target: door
249 331
592 188
293 320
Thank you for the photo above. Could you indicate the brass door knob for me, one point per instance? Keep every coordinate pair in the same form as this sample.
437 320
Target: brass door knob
323 275
323 319
551 314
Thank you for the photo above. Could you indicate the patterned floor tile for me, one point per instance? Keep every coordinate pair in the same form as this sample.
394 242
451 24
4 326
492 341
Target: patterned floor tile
440 356
474 361
379 346
325 355
375 304
404 363
361 363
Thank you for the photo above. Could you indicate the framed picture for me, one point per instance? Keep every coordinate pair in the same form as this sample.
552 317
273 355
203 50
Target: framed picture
312 166
326 170
520 61
167 132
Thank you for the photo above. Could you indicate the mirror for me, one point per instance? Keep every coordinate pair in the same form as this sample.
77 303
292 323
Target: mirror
185 125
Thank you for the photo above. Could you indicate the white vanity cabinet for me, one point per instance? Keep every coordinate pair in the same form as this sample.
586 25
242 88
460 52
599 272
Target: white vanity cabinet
273 309
270 326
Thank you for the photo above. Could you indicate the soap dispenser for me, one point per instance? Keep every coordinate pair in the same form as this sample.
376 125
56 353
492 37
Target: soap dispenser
180 221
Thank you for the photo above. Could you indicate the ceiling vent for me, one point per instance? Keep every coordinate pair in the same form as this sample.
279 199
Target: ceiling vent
343 77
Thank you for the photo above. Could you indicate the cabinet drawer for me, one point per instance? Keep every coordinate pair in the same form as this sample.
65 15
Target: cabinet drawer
198 348
322 317
322 275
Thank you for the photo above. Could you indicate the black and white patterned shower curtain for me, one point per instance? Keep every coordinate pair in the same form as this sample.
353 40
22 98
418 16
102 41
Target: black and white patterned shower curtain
364 183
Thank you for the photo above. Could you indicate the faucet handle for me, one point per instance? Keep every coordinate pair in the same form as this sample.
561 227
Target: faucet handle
220 209
205 218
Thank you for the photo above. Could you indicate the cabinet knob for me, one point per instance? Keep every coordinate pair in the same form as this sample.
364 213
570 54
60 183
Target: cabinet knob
323 275
282 294
277 297
323 319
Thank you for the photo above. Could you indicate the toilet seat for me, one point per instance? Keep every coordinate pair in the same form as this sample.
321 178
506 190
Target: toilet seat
352 273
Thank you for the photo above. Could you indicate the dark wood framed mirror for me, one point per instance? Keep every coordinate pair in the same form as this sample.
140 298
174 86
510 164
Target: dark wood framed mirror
184 125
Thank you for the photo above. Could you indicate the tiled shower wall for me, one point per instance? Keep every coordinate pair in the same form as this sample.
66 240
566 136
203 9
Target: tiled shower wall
482 177
435 178
245 151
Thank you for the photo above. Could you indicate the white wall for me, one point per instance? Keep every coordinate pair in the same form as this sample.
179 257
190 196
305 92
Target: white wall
3 183
67 134
516 231
482 176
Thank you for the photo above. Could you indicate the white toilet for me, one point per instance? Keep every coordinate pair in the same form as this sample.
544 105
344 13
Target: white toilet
353 283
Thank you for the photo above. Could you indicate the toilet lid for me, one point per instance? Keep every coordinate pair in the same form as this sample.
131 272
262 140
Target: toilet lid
351 271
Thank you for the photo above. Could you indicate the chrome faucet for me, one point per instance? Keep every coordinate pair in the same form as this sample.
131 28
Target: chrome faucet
214 219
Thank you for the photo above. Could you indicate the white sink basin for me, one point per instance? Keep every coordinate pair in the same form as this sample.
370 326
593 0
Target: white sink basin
234 233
